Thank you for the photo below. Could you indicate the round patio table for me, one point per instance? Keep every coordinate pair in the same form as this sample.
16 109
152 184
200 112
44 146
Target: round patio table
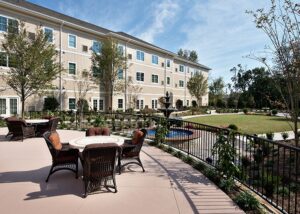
37 121
81 142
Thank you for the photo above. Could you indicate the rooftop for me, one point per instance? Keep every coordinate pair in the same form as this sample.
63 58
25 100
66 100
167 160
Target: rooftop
168 185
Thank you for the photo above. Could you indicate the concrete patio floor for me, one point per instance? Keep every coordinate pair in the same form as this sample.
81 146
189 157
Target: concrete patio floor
168 185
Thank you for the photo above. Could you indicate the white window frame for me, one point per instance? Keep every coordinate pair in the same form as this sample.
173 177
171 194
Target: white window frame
140 76
152 79
153 55
182 68
69 103
167 80
139 106
69 34
136 56
179 84
155 103
168 60
93 46
122 103
69 68
7 18
123 51
53 41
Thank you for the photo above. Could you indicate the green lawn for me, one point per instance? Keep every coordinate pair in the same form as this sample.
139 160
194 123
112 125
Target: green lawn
251 124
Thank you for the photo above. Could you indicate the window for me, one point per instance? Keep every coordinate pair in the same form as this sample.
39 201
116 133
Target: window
168 63
72 103
3 59
101 105
140 55
96 47
155 59
72 41
96 72
140 76
120 103
139 104
154 104
181 68
187 103
2 106
121 50
13 107
168 80
49 34
72 68
154 78
95 105
120 74
181 83
3 24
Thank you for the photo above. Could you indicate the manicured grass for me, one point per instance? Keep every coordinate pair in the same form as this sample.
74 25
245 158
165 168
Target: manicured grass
251 124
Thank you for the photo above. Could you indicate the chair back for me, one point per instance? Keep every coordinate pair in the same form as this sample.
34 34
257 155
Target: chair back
136 150
52 150
16 126
8 123
53 123
97 131
99 160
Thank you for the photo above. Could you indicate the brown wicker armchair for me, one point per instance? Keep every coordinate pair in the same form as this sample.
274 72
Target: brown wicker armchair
8 124
50 126
99 167
20 129
131 149
63 157
97 131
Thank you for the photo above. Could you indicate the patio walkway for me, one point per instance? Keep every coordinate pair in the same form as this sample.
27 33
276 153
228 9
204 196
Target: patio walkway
167 186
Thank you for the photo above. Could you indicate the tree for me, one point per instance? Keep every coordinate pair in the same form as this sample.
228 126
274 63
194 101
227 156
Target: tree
106 65
216 90
50 104
133 93
34 67
197 86
188 54
83 84
281 24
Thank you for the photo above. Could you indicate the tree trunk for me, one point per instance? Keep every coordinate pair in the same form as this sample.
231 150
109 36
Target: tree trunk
22 108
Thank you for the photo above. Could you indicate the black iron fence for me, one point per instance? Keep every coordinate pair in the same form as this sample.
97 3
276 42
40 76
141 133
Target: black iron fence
271 169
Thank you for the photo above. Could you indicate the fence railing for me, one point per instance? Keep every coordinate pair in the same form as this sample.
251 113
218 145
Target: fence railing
271 169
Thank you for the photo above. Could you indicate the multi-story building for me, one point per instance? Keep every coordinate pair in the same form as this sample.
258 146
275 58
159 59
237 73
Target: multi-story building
152 68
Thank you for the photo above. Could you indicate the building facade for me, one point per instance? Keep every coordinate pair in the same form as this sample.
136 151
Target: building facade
151 70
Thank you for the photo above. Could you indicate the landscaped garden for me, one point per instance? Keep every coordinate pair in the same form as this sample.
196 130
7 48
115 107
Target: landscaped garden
250 124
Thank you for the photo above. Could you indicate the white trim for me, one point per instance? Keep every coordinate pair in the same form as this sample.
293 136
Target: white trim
152 60
53 38
154 99
70 34
136 59
69 68
156 83
140 81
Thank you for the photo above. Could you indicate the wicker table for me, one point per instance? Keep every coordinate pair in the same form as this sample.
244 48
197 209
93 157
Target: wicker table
36 123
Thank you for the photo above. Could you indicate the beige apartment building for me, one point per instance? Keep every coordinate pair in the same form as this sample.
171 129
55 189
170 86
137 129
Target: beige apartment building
151 69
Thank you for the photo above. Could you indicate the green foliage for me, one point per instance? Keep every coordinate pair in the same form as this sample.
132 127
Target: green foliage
200 166
283 191
270 135
285 135
247 201
245 110
226 155
178 154
188 54
189 160
72 119
34 63
194 104
227 184
99 121
274 112
83 105
170 150
233 127
50 104
246 161
161 130
197 86
179 104
212 174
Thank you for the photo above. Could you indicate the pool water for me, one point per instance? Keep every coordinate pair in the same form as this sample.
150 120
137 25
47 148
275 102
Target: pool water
173 133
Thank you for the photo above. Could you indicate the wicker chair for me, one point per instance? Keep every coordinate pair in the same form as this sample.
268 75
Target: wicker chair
50 126
97 131
7 120
131 152
99 167
64 159
20 129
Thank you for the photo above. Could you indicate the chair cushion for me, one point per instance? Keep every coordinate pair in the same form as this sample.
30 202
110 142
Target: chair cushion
97 131
55 140
137 135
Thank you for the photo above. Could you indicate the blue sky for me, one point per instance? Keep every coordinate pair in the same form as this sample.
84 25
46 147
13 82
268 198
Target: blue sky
219 30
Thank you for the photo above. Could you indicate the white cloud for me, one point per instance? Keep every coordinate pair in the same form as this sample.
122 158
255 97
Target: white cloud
163 14
223 34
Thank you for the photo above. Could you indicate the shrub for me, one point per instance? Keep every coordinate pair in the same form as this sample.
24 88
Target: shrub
270 135
247 201
233 127
50 104
212 175
246 161
199 166
245 110
285 135
179 104
170 149
178 154
99 121
189 160
82 105
194 103
274 112
283 191
227 184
